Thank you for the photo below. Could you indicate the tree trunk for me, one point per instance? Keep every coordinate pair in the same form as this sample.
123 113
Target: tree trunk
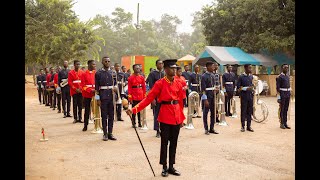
33 75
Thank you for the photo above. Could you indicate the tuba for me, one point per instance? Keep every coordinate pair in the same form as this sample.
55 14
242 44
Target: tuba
233 108
220 104
262 115
193 105
96 116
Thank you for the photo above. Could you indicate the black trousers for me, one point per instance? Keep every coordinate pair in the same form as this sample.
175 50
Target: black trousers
156 110
246 111
205 114
66 100
57 101
46 96
284 106
77 106
107 116
50 95
40 92
168 133
133 115
227 103
87 107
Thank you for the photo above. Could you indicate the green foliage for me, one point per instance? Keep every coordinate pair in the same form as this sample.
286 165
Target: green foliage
251 25
54 33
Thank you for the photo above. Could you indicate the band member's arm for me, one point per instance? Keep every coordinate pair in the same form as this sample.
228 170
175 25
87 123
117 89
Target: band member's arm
153 93
224 82
55 80
239 84
48 80
83 84
97 85
151 80
144 89
203 88
59 78
130 88
70 81
278 84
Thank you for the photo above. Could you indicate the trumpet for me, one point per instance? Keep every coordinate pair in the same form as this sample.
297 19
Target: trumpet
96 116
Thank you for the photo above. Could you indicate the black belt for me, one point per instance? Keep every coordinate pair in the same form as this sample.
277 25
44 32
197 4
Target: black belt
169 102
136 86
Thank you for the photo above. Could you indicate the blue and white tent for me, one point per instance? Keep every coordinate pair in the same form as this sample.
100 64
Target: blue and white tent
236 56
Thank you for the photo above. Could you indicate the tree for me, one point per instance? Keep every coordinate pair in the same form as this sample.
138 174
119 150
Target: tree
251 25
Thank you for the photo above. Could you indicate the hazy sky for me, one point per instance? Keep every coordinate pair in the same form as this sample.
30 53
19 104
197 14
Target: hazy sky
149 9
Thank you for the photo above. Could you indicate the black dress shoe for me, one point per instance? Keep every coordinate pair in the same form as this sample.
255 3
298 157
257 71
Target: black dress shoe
206 132
250 129
69 115
105 138
134 126
282 126
158 134
242 129
174 172
74 121
120 120
54 109
80 121
84 128
213 131
59 111
287 126
140 125
64 116
164 172
111 137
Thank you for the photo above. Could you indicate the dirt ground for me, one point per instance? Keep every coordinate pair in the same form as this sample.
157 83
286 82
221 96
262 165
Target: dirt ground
267 153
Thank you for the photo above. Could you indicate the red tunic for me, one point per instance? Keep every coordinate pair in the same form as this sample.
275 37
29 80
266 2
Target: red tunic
87 83
136 93
164 90
55 80
48 79
74 81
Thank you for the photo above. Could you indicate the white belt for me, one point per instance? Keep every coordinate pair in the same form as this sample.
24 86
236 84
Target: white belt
44 81
63 79
76 81
106 87
90 85
210 88
194 84
39 81
285 89
119 82
229 82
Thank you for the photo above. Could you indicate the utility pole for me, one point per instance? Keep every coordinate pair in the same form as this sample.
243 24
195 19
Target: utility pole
138 27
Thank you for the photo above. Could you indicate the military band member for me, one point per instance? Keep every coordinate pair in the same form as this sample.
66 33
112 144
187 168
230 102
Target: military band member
88 90
57 100
153 77
104 87
121 83
186 74
228 83
195 80
245 86
283 90
40 86
65 91
169 93
136 90
53 93
50 85
45 85
207 89
74 81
